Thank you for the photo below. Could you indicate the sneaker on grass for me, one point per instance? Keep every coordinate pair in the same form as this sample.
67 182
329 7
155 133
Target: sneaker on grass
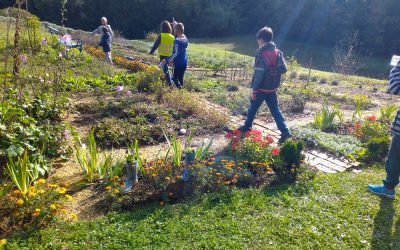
382 191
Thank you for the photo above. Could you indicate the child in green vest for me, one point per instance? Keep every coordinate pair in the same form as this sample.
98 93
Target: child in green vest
165 46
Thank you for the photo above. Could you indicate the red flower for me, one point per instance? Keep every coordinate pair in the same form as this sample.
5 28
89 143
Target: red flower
372 118
235 144
357 125
275 151
236 132
269 139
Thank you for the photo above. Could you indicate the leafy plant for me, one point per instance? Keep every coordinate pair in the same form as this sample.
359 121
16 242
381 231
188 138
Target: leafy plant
377 149
19 173
202 151
387 113
325 118
177 151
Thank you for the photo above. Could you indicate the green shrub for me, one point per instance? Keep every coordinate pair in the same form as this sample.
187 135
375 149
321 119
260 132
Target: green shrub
324 119
291 157
377 149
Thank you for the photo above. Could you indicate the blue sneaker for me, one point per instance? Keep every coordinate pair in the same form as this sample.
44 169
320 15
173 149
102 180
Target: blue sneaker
382 191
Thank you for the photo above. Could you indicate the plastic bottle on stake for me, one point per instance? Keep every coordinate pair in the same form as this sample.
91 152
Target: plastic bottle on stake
395 60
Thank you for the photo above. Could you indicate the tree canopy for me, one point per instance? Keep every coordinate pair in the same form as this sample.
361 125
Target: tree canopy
313 21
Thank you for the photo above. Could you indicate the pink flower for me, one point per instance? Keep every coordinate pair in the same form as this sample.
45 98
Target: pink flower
67 38
372 118
67 135
128 93
119 89
60 55
44 42
275 151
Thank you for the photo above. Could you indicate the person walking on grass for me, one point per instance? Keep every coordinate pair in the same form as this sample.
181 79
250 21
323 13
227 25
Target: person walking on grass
393 160
179 57
106 44
165 44
102 29
268 69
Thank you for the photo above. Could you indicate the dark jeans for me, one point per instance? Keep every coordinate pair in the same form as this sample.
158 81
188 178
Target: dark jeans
166 71
179 73
393 164
273 105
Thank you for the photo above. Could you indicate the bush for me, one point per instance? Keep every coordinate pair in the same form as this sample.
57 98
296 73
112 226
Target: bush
291 157
377 149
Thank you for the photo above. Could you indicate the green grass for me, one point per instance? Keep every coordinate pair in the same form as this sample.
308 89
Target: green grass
329 212
322 57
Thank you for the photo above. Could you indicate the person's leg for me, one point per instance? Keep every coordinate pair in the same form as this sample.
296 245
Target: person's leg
166 71
182 75
109 58
251 113
176 77
273 105
393 164
392 171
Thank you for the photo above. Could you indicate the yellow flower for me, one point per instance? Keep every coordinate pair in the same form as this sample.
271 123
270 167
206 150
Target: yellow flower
62 190
68 197
116 191
41 191
41 181
3 242
73 216
108 188
167 178
20 202
32 194
53 207
52 186
64 211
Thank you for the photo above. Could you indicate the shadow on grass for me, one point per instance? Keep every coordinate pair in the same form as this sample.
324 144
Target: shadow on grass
382 237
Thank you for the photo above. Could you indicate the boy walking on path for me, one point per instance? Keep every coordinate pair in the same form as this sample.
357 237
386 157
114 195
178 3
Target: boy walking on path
269 67
393 160
165 45
179 58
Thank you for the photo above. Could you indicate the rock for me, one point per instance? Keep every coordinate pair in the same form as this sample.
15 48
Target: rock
182 131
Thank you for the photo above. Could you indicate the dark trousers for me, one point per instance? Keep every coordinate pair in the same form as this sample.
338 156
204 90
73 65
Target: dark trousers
393 164
166 70
179 73
272 102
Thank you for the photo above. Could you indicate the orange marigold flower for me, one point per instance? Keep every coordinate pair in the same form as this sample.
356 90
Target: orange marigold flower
53 207
236 176
167 178
20 202
16 192
116 191
218 174
227 182
234 181
36 213
162 203
108 188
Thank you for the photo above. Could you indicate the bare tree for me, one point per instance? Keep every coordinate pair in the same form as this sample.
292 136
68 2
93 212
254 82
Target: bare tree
347 54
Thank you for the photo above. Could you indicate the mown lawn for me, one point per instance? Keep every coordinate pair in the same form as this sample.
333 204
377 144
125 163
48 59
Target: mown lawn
328 212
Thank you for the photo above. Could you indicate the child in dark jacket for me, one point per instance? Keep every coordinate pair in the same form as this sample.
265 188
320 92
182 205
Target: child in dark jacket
393 159
268 69
106 43
179 56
